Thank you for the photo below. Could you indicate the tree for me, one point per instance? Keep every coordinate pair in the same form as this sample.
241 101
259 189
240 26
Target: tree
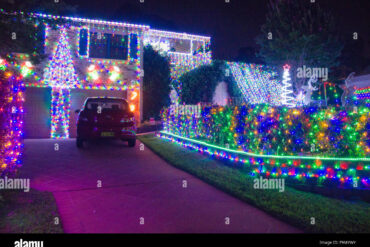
156 83
353 58
299 33
199 84
19 32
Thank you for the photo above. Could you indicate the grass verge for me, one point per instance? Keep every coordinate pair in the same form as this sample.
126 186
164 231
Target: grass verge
28 212
292 206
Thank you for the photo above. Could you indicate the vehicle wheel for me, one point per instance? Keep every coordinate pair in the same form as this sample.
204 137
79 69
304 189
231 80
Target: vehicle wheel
132 142
79 142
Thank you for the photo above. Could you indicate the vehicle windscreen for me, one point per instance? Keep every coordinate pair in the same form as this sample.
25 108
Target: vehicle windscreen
106 104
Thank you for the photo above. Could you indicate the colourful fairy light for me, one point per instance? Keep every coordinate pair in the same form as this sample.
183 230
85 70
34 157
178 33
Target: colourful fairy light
363 93
92 73
68 69
309 138
60 75
277 166
182 63
114 73
26 69
2 64
60 112
256 84
11 118
78 40
60 71
89 21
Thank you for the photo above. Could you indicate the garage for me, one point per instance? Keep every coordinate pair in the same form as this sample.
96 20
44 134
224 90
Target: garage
78 97
37 119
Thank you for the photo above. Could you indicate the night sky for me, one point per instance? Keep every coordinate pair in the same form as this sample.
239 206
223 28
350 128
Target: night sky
231 25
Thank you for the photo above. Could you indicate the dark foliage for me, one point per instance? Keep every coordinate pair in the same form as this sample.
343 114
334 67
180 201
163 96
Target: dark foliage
156 83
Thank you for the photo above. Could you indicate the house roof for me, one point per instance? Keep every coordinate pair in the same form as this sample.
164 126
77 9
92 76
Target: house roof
92 21
146 28
169 34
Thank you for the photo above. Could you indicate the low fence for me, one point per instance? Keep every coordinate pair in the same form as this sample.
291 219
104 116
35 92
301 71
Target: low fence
324 144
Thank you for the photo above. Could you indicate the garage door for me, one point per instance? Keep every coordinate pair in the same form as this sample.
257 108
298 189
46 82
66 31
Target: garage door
37 112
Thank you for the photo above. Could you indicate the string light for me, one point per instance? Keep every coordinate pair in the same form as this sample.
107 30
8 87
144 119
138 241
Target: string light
331 139
134 95
114 73
256 84
92 73
182 63
61 76
11 116
60 71
132 107
282 166
26 69
363 95
60 112
287 90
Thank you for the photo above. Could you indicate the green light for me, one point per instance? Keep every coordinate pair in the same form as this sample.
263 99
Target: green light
264 155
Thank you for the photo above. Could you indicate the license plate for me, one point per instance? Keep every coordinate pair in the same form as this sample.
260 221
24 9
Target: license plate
107 134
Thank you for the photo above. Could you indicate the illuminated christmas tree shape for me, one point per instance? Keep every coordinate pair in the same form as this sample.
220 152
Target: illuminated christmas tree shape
287 90
60 71
256 84
61 76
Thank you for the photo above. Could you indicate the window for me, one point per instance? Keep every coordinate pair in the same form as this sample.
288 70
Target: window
109 46
133 46
98 45
106 104
118 46
83 42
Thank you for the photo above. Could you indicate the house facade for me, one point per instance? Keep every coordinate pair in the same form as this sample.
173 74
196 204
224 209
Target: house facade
90 58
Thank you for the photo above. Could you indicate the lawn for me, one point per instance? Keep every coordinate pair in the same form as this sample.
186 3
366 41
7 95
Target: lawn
28 212
292 206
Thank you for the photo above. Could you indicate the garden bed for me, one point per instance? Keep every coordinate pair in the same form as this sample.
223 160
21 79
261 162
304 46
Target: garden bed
335 142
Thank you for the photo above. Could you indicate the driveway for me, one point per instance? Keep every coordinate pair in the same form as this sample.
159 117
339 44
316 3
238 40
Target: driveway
139 192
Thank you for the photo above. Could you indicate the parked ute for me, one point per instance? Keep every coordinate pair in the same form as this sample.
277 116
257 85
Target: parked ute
106 117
